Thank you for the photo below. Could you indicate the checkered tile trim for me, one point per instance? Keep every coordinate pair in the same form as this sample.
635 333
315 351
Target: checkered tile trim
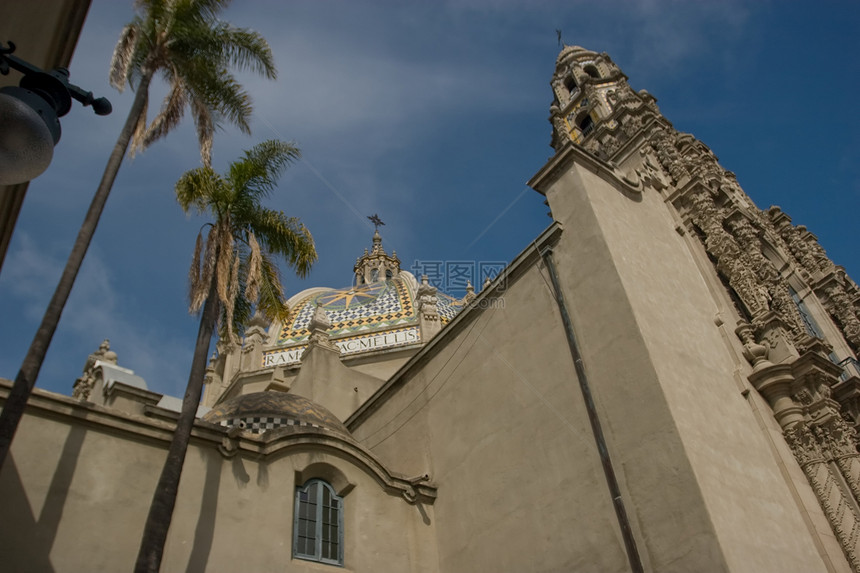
260 424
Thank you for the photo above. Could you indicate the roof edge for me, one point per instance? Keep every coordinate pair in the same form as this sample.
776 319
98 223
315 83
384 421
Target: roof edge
527 256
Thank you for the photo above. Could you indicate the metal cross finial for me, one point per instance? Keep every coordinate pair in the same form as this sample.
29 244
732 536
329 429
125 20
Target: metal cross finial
377 222
558 33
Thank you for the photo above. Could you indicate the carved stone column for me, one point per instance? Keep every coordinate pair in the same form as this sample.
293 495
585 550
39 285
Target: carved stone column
837 508
798 390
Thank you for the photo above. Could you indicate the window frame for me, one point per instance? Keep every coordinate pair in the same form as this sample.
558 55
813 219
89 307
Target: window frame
318 522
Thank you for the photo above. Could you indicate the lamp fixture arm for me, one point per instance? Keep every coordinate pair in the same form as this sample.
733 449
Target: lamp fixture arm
101 106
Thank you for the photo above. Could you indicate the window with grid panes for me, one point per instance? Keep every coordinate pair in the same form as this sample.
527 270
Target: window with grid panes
318 523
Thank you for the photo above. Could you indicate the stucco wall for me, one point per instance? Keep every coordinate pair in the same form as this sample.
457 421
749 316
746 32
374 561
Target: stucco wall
705 485
493 411
495 415
75 496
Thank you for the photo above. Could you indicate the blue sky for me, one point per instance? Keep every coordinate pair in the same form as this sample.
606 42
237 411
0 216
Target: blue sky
433 115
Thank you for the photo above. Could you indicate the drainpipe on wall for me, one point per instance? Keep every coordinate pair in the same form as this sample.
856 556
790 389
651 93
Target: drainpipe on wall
597 431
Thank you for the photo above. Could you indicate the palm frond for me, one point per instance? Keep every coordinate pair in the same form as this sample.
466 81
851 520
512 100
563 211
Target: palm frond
224 261
258 171
156 9
230 302
241 315
196 187
172 110
194 282
139 129
272 303
240 48
252 286
210 262
199 286
286 236
123 52
204 10
205 130
219 90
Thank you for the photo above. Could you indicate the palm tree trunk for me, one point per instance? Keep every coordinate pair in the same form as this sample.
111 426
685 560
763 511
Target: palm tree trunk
164 499
26 378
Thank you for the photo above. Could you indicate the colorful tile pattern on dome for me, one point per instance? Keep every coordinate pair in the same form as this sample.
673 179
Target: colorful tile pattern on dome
448 307
353 310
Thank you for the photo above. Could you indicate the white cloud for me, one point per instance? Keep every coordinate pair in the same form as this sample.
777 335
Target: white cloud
95 310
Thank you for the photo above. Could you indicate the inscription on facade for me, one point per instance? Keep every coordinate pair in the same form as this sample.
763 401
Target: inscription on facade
347 346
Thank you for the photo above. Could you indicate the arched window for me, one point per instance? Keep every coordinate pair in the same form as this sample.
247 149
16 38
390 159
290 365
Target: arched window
374 275
592 71
318 523
586 124
570 84
388 274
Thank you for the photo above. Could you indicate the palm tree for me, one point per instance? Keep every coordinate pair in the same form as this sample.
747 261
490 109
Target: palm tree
185 43
231 273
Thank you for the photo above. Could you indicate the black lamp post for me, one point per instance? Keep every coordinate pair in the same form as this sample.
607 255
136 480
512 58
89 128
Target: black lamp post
29 116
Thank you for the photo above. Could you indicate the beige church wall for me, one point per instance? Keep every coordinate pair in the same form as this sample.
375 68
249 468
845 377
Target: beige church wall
76 488
705 487
252 502
380 365
493 412
74 498
821 532
324 379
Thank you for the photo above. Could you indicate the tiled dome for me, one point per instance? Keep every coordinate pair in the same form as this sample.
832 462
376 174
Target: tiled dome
378 313
381 305
375 307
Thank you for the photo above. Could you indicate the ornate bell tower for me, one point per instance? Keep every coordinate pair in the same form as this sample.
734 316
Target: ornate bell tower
588 89
721 311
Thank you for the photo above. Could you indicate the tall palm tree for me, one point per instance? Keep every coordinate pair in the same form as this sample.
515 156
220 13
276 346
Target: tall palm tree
184 42
231 273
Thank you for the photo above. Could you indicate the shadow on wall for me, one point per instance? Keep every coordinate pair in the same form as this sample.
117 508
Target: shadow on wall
25 541
204 533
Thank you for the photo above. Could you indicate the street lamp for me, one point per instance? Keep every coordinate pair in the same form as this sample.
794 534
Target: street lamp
29 116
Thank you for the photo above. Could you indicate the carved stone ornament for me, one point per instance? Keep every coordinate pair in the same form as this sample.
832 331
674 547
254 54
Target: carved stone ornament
427 299
803 444
319 326
755 353
84 385
839 305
